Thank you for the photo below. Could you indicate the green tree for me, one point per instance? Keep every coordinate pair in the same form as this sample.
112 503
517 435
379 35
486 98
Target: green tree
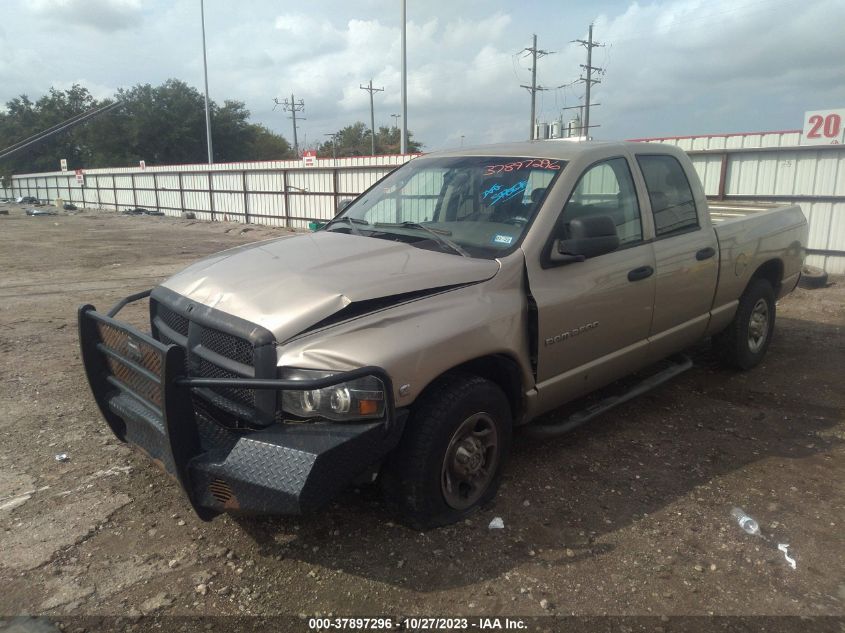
159 124
354 140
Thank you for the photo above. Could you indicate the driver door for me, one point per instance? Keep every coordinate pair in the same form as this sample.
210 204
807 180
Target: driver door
594 316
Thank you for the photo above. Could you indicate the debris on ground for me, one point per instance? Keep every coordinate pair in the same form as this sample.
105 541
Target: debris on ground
496 524
784 547
62 457
745 521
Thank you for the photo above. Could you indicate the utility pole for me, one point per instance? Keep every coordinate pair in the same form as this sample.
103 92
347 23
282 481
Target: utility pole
534 88
589 44
293 107
333 136
404 95
369 88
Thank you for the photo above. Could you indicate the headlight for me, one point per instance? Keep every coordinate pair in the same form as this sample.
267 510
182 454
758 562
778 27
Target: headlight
359 399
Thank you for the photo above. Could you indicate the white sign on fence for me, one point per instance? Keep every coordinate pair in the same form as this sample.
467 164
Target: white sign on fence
142 164
63 164
80 178
309 158
824 127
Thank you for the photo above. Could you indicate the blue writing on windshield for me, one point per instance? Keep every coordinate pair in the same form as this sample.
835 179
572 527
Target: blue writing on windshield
500 195
489 192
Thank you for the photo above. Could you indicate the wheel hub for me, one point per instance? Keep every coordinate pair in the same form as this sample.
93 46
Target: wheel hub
758 325
470 462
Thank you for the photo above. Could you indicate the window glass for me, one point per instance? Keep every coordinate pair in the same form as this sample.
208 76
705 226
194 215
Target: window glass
607 189
477 206
670 194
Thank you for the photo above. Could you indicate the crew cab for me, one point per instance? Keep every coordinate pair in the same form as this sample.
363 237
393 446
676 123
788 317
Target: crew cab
462 296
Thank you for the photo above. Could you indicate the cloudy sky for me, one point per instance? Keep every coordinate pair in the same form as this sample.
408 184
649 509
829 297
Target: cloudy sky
672 66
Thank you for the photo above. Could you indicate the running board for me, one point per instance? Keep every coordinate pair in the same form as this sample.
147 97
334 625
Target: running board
679 364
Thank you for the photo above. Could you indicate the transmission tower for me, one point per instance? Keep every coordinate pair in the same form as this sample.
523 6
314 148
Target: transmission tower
589 44
534 88
293 107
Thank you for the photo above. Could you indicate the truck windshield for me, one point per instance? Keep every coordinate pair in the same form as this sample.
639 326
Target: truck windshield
471 206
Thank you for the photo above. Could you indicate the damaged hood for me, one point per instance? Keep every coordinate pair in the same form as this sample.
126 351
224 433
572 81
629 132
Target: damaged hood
289 284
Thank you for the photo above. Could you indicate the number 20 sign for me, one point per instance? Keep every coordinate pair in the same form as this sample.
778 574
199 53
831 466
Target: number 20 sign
823 127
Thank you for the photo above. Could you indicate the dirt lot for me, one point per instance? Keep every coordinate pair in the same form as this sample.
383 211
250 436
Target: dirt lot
628 516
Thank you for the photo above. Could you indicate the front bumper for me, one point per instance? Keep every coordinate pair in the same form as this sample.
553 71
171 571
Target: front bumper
144 392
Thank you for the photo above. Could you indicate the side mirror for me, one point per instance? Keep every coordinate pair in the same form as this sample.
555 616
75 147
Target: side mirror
589 236
343 203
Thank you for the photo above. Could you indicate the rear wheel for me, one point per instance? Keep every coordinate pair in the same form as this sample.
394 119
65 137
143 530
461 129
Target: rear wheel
452 453
745 341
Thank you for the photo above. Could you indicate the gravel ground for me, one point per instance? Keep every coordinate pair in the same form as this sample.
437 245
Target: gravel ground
628 516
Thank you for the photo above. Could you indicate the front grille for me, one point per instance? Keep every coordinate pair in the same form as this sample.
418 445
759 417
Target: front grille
227 345
219 346
174 321
207 369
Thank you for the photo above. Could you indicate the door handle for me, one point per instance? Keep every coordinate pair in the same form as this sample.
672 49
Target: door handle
640 273
705 253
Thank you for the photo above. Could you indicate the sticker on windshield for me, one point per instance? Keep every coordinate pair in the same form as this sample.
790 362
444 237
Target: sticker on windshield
506 240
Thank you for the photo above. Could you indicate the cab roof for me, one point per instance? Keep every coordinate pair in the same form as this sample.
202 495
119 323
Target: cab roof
557 148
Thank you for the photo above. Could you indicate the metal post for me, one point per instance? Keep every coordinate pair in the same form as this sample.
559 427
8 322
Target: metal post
246 198
372 122
97 185
134 194
369 88
114 192
287 197
211 194
723 176
155 190
533 87
589 83
181 192
205 73
404 143
293 116
335 190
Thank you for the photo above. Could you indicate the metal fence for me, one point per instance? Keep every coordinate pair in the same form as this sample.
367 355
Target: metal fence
276 193
760 167
773 167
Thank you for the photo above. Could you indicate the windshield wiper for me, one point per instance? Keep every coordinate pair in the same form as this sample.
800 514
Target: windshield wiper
352 222
439 234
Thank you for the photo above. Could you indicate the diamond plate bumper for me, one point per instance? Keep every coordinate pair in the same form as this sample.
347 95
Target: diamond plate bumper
145 397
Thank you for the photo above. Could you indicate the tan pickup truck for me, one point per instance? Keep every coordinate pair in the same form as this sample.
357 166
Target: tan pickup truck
463 295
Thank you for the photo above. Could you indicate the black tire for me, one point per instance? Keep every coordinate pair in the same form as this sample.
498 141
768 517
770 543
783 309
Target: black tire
744 343
812 278
414 478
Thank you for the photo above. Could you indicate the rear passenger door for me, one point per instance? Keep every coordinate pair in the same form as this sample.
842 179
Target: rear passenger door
685 252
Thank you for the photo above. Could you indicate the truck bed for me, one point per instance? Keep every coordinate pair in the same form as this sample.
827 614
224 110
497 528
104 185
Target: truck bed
721 212
751 235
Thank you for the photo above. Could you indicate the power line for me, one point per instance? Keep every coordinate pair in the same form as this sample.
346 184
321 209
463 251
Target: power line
293 107
589 44
369 88
534 88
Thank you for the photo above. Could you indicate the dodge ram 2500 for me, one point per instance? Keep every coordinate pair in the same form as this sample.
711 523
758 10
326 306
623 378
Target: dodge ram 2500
461 296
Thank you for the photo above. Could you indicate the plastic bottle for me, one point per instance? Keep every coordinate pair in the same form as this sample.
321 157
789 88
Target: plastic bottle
746 522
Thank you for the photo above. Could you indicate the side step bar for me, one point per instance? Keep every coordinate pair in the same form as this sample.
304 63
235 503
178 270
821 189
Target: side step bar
678 365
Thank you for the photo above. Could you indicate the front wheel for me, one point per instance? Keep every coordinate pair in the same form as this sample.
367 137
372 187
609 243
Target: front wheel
745 341
452 453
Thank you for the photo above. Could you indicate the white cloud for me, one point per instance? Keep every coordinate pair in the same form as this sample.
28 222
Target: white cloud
673 66
101 15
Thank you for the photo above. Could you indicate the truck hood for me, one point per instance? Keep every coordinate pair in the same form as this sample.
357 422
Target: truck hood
290 284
